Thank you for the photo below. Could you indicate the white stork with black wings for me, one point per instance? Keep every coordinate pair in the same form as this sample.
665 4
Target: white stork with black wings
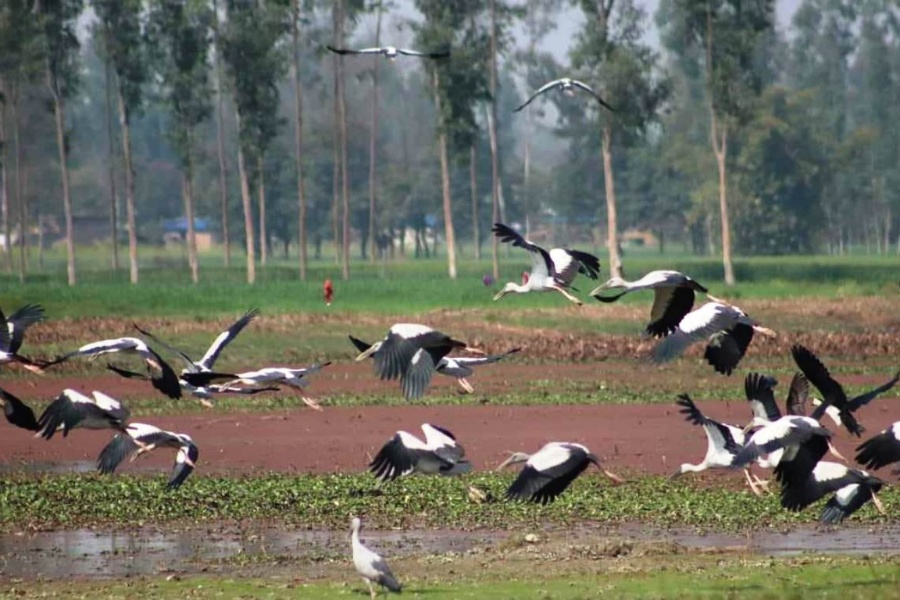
205 364
567 85
139 438
72 410
411 352
550 470
852 489
12 334
726 329
390 52
881 450
833 393
295 378
550 271
404 454
673 297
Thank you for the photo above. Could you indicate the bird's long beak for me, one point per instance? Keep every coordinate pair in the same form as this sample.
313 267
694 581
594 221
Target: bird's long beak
613 477
505 463
477 351
749 426
714 299
188 461
366 353
765 331
599 289
834 451
311 403
499 295
675 475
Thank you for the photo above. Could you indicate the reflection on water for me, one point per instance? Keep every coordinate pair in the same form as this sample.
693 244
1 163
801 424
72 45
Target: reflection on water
88 553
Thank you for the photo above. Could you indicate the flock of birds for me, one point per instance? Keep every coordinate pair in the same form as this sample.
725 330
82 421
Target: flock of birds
793 445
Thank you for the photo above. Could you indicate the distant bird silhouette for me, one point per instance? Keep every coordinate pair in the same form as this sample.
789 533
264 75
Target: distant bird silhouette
568 86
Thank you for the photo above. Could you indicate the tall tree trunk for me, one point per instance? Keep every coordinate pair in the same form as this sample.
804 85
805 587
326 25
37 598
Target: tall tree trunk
345 176
298 136
473 188
129 187
111 167
220 137
612 225
373 143
445 187
188 194
261 195
526 176
495 144
338 41
248 210
719 137
64 176
20 192
4 189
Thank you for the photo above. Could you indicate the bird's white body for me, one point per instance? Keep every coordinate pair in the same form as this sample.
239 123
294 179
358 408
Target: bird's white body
833 413
140 438
405 454
73 410
369 564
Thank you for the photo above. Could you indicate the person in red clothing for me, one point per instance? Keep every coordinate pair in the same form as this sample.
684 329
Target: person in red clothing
328 288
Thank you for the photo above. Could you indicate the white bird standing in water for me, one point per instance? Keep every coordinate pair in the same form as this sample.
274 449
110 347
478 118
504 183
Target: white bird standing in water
370 565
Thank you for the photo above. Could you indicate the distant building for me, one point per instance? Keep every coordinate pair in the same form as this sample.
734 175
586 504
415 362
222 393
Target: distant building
175 232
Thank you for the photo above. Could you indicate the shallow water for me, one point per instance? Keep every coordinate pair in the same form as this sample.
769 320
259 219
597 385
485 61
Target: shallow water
86 553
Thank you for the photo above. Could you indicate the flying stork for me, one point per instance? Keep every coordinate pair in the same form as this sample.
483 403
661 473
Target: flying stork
726 329
390 52
199 385
139 438
370 565
852 487
568 86
72 409
881 450
458 367
833 393
673 297
166 382
550 470
550 271
205 364
411 353
12 333
405 454
295 378
723 443
17 412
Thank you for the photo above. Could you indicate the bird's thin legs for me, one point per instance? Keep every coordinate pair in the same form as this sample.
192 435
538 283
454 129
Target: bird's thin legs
465 385
877 502
752 484
567 295
310 402
372 593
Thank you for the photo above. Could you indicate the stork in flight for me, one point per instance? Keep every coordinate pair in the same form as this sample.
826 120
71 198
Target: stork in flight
550 271
139 438
12 334
72 409
550 470
405 454
568 86
881 450
411 352
390 52
673 297
726 329
295 378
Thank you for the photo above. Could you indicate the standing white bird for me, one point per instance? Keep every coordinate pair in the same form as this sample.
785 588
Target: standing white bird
881 450
390 52
673 297
550 271
17 412
139 438
550 470
205 364
723 443
12 334
833 393
405 454
295 378
166 381
411 353
567 85
72 409
459 367
852 487
726 329
370 565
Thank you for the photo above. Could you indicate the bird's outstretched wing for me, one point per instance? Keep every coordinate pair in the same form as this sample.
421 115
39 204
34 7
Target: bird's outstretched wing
185 460
833 393
475 361
359 344
864 399
798 395
224 338
344 51
547 86
540 257
758 389
21 320
392 461
585 87
187 359
117 450
410 52
17 412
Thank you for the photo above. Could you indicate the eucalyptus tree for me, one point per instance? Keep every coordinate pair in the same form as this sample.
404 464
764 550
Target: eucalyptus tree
458 85
255 65
728 35
179 34
609 50
123 45
295 16
222 179
20 64
61 47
